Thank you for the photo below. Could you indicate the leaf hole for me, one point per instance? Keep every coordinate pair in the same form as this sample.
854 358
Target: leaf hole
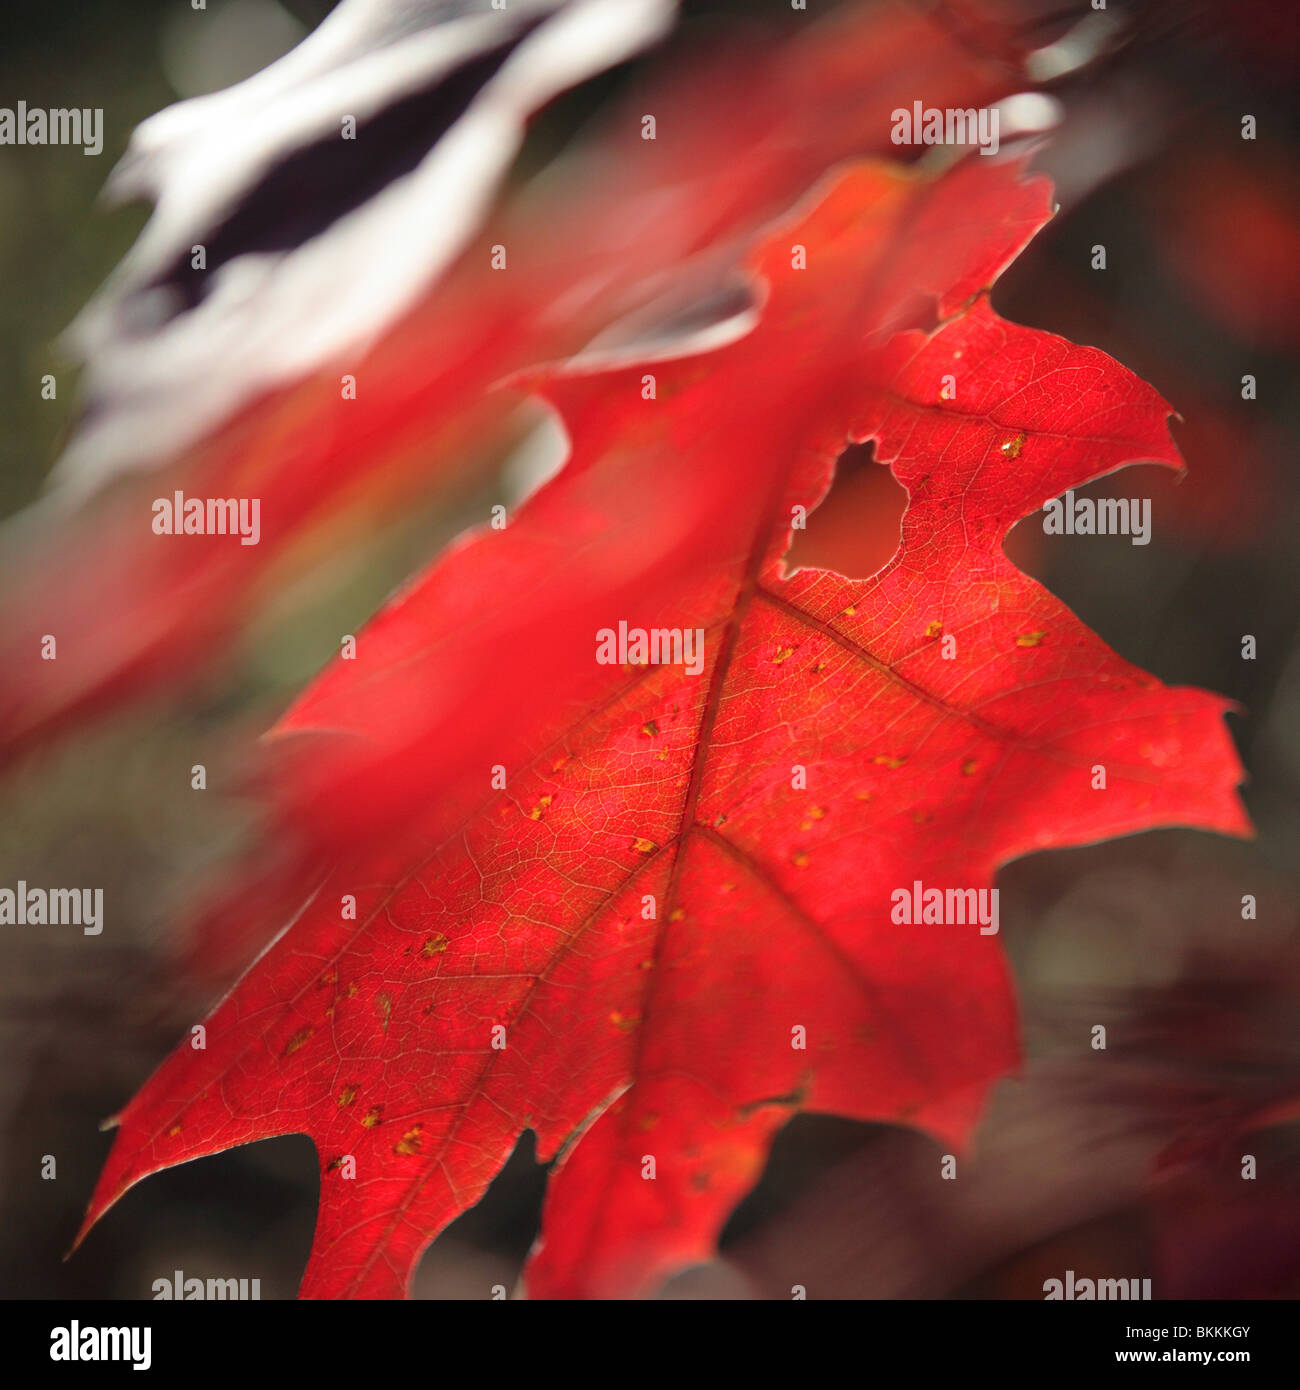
856 530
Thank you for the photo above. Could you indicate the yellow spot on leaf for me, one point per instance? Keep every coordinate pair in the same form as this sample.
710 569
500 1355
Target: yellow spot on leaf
644 846
434 945
969 767
882 760
1012 447
650 729
371 1118
934 629
410 1142
1030 639
297 1041
781 655
346 1096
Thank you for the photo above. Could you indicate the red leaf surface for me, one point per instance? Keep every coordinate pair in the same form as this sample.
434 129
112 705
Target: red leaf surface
604 234
671 1037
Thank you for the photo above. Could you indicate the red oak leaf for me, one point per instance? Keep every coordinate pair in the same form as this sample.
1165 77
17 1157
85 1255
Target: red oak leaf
651 911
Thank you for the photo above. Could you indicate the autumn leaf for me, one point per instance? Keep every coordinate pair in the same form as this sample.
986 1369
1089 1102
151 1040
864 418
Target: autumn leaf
649 913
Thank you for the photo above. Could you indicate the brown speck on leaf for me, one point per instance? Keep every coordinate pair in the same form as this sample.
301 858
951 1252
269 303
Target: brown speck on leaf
346 1096
817 667
1012 447
410 1142
1030 639
334 1164
297 1041
371 1118
434 945
800 859
384 1008
934 629
969 767
650 729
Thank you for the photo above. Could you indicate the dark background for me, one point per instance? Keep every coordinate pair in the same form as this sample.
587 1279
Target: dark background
1073 1168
